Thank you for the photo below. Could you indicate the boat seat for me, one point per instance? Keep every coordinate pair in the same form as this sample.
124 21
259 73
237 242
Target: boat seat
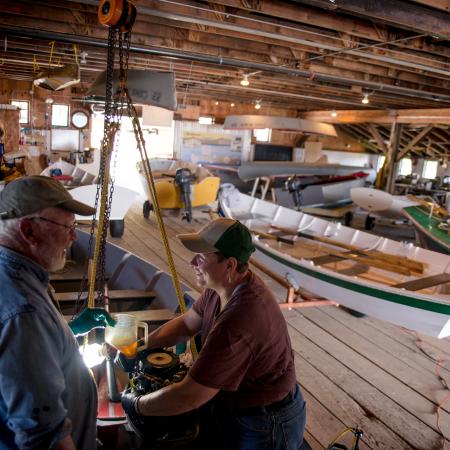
355 270
423 283
324 259
125 294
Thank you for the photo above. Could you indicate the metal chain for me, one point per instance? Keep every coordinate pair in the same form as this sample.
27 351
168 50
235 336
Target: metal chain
114 104
108 106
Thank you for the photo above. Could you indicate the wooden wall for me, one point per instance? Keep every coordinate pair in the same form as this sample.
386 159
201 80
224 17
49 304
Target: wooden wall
24 90
9 120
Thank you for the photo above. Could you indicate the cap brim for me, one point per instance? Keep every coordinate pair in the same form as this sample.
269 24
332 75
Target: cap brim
195 243
76 207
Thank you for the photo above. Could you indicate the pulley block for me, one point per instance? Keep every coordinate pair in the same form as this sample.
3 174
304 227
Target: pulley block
117 13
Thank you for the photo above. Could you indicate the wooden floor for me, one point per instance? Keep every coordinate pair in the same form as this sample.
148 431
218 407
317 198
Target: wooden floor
353 371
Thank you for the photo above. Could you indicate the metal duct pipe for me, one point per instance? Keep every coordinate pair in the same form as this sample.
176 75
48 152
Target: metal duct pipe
219 60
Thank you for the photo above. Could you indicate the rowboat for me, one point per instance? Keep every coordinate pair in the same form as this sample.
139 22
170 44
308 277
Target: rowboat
394 281
431 231
133 283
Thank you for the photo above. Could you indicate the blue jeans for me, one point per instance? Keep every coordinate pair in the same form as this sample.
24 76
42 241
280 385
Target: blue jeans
278 430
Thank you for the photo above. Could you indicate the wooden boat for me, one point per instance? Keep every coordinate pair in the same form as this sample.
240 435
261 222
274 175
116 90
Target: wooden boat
432 232
134 284
390 280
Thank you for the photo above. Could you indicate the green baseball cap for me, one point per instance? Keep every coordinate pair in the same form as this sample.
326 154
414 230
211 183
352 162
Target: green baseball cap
228 236
27 195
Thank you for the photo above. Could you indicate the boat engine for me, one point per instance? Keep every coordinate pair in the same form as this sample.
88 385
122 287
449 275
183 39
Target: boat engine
295 185
183 179
152 370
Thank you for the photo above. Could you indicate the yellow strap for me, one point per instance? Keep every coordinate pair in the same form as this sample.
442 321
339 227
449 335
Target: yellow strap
75 52
35 64
155 203
52 43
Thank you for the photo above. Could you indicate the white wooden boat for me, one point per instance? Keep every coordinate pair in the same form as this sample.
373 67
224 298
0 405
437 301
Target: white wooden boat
390 280
133 283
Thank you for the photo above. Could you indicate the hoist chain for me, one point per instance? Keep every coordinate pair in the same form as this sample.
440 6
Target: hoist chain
115 102
106 132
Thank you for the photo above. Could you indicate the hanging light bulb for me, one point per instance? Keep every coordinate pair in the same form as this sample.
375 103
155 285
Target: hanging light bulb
232 105
333 113
244 81
217 103
258 104
365 99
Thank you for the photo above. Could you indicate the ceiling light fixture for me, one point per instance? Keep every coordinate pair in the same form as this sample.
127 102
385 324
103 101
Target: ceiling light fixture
258 104
217 103
244 81
232 105
365 99
333 113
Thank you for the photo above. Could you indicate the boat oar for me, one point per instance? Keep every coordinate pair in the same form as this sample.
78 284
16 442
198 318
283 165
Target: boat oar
364 259
395 260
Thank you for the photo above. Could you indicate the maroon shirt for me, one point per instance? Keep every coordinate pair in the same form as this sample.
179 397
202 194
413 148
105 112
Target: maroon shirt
246 350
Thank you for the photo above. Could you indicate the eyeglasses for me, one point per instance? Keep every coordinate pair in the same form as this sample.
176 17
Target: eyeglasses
71 228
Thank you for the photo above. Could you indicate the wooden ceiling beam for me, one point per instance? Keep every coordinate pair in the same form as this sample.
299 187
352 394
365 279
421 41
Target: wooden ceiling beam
394 12
376 135
414 142
406 116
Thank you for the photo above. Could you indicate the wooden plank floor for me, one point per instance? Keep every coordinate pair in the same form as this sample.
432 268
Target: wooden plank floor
353 371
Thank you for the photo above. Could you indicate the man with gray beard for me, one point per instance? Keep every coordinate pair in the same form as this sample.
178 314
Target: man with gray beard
48 398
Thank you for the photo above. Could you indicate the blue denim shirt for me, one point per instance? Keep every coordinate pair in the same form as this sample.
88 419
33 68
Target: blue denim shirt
46 391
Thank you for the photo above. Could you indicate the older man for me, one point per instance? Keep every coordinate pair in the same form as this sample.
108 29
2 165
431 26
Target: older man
48 399
246 362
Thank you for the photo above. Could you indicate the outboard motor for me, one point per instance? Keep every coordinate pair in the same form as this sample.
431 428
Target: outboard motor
150 371
183 179
295 186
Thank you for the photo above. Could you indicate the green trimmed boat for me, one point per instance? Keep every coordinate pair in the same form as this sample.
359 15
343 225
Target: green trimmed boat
394 281
431 232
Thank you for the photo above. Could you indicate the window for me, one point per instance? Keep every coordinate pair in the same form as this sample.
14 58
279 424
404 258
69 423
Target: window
262 135
60 115
405 167
206 120
430 169
24 110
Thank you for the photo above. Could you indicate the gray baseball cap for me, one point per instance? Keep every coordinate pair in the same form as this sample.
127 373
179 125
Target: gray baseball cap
27 195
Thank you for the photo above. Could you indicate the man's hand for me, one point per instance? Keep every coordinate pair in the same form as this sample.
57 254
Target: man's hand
89 319
129 404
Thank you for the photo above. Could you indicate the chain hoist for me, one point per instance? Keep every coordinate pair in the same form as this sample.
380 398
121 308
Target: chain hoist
119 16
